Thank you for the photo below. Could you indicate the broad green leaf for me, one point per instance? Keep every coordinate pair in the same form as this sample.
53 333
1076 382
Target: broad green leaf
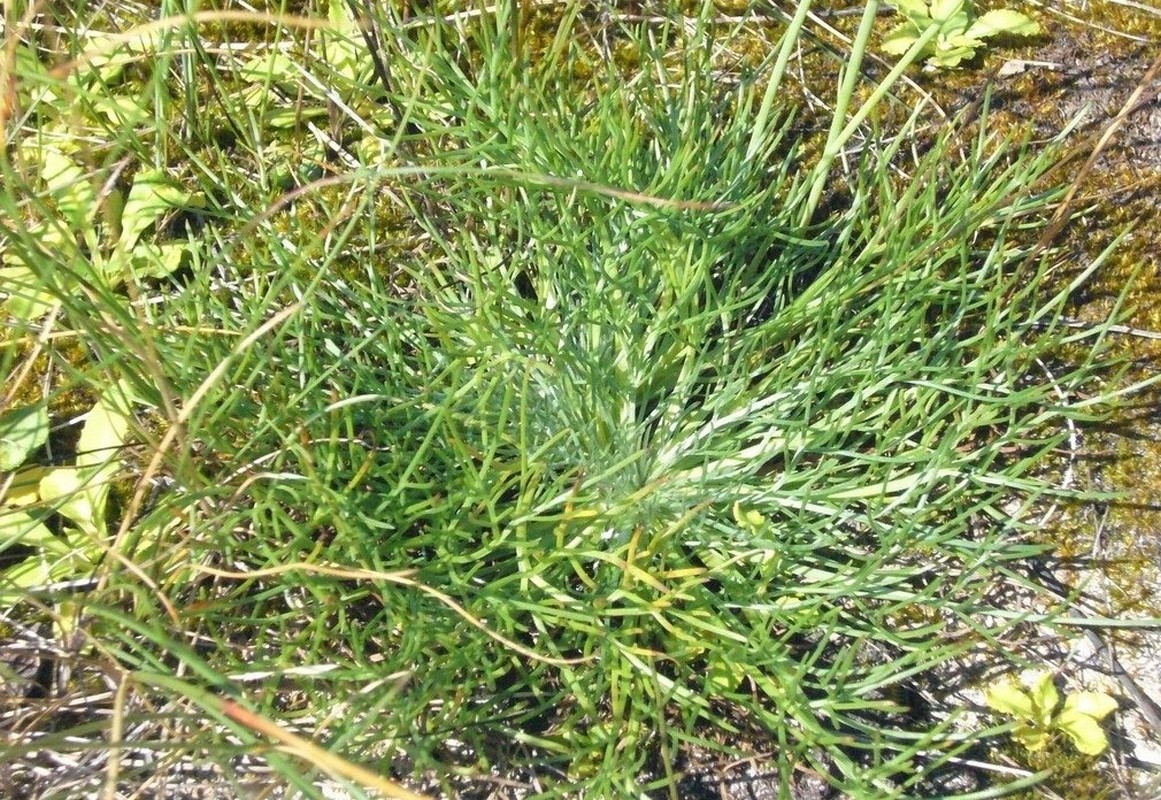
54 244
157 260
944 10
67 619
1080 719
25 305
284 118
70 187
1032 737
51 553
952 58
712 558
22 528
1044 697
342 53
50 238
110 53
104 432
22 430
1097 705
723 675
915 10
276 67
79 495
100 68
339 15
56 559
750 519
36 570
83 491
964 41
1009 697
373 149
899 41
152 195
25 487
953 25
1084 731
121 110
1003 21
36 86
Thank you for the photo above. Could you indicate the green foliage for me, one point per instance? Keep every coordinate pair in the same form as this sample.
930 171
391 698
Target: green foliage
74 231
103 254
95 233
656 440
341 69
78 493
22 430
335 71
1038 713
960 32
716 462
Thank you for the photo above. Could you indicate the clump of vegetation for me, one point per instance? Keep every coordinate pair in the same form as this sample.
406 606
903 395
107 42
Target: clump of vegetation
79 493
1039 714
959 33
651 442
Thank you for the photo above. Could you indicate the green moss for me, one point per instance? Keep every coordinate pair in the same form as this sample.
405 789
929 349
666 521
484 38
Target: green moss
1071 774
55 359
1123 455
1117 23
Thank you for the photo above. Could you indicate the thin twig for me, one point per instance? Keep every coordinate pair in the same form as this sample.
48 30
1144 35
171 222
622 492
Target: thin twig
313 754
1149 709
401 578
1064 210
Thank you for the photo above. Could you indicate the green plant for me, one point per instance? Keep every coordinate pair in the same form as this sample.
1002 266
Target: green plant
960 33
95 232
335 68
1035 705
101 248
336 71
696 448
680 439
75 230
79 493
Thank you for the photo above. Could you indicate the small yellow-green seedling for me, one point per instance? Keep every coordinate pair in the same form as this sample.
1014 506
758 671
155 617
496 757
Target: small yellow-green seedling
1036 707
961 32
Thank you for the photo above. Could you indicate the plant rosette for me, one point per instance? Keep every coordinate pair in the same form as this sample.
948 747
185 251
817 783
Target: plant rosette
961 32
1035 705
103 235
78 493
345 75
107 247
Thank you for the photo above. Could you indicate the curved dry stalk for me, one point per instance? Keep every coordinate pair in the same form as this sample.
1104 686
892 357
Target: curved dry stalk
313 754
401 578
171 435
